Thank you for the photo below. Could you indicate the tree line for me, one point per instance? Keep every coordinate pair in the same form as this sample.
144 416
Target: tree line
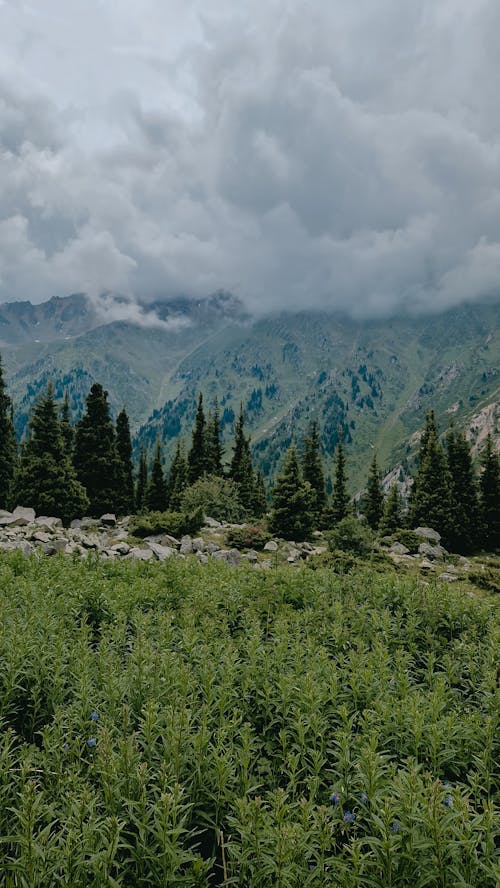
87 468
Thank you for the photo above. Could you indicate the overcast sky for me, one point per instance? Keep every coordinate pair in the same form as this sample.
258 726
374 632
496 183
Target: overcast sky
300 154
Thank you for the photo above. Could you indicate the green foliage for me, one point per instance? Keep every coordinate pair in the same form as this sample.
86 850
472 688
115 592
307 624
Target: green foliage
490 497
175 523
46 480
156 493
312 468
392 515
8 447
177 477
351 535
95 457
374 498
125 493
259 507
465 524
407 538
431 495
142 481
215 451
197 456
339 506
249 536
292 513
291 728
215 497
67 429
241 469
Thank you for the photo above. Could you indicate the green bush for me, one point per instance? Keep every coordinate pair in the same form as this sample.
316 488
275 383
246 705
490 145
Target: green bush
407 538
351 535
248 537
175 523
216 497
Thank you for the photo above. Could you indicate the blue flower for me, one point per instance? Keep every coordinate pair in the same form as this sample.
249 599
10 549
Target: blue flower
335 798
94 716
395 827
448 800
66 747
311 866
349 817
92 742
364 797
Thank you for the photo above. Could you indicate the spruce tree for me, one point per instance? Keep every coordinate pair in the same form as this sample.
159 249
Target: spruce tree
489 484
142 481
67 429
8 447
392 515
214 442
293 501
156 495
312 468
259 502
197 457
241 469
95 456
125 497
464 528
339 507
374 499
47 480
430 499
177 477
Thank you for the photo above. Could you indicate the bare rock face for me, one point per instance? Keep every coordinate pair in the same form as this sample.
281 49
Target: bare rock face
427 533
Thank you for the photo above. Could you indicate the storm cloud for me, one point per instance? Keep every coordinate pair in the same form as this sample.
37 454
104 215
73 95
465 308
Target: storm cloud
299 154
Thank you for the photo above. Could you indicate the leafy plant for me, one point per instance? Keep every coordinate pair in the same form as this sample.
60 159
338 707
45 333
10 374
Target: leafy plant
174 523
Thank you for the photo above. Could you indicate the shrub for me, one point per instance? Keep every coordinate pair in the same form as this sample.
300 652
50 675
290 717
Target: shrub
407 538
248 537
217 497
175 523
350 535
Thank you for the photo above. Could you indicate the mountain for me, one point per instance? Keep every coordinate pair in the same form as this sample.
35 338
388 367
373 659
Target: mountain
372 379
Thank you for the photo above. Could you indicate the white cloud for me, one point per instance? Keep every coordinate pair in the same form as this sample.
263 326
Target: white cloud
297 153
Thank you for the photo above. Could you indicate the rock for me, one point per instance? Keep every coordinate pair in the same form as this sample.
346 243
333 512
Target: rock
211 522
108 520
167 540
140 554
436 552
88 524
48 549
60 545
21 517
211 547
198 544
399 549
250 556
89 540
8 546
271 546
448 577
186 546
162 552
427 565
427 533
202 558
48 524
76 524
5 514
41 537
230 556
266 564
121 548
294 556
464 563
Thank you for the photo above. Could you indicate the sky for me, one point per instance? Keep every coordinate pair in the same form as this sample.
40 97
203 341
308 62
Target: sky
300 153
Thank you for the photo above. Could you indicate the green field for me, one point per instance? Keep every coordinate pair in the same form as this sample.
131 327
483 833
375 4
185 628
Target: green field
196 725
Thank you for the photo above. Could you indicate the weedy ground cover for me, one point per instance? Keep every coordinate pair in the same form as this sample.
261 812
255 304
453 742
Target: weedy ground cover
196 725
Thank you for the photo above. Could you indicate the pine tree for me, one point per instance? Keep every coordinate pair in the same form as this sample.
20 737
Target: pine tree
95 456
177 477
464 529
8 447
214 442
339 507
142 481
125 498
47 480
241 469
260 501
374 500
156 495
197 457
489 484
392 516
67 429
430 499
293 501
312 468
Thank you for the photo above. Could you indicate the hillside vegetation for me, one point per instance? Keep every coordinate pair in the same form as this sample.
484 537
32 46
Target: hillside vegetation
179 724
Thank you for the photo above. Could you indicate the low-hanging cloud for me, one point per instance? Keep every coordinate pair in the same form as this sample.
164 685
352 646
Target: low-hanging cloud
298 154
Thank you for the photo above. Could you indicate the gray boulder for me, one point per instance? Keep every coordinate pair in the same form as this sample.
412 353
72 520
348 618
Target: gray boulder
22 516
271 546
48 524
162 552
167 540
428 551
211 522
121 548
399 549
186 546
138 554
198 544
427 533
230 556
448 577
108 520
211 547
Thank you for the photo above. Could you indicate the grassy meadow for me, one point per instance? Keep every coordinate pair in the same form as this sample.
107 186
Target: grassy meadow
180 724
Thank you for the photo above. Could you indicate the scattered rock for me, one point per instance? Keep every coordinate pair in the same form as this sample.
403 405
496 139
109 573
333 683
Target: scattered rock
427 533
436 552
140 554
211 522
447 577
121 548
211 547
108 520
250 556
202 558
186 546
427 565
294 556
198 544
230 556
162 552
399 549
271 546
167 540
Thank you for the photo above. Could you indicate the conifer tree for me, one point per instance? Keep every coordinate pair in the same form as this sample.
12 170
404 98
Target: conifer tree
374 500
241 469
489 484
339 507
293 501
8 447
430 499
142 481
464 526
214 442
392 515
67 429
47 480
156 495
312 468
125 497
260 502
177 477
95 456
197 457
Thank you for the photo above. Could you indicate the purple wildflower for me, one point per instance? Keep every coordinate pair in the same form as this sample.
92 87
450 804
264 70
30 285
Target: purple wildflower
92 742
448 800
364 797
395 827
94 716
66 747
335 798
349 817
